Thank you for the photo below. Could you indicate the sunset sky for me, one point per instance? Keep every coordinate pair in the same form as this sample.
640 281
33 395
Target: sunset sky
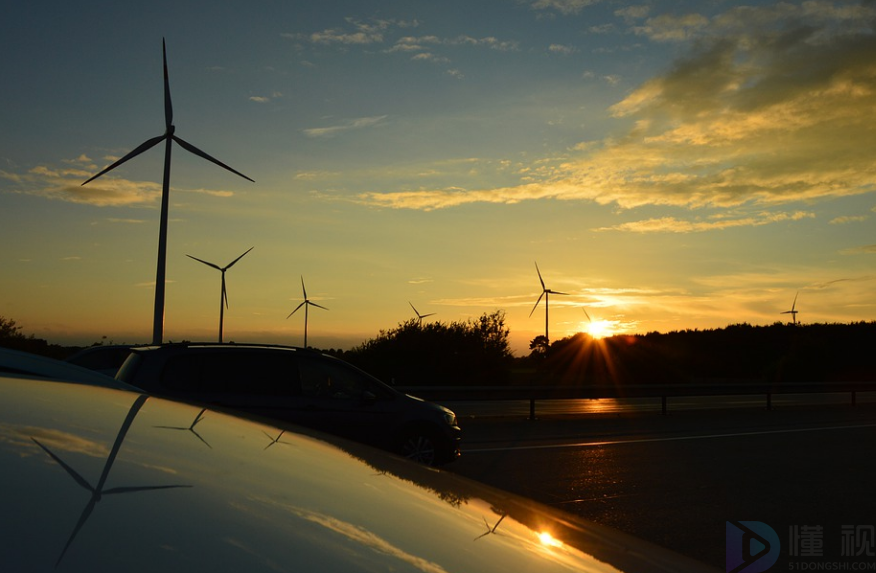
669 165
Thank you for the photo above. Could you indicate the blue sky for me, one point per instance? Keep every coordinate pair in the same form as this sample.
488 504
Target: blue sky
669 165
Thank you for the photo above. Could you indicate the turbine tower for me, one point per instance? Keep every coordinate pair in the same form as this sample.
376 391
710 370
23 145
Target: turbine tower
420 317
223 299
793 312
168 137
305 304
545 292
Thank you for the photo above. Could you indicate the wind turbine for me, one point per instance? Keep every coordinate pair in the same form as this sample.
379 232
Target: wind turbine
223 299
305 304
793 312
489 529
420 317
191 427
168 138
545 292
97 491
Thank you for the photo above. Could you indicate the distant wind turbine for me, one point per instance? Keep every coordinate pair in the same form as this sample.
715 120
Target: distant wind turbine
544 293
793 312
305 304
168 138
223 299
490 529
420 317
191 427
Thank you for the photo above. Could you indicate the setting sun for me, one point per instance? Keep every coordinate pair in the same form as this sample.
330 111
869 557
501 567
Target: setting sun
549 540
599 328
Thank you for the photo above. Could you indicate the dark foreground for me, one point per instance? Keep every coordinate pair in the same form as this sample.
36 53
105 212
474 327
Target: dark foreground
676 480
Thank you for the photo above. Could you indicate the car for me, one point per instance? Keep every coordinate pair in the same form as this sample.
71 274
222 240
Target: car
26 363
103 358
297 385
99 479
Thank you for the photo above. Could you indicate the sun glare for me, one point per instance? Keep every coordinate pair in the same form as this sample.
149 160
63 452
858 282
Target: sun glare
599 328
549 540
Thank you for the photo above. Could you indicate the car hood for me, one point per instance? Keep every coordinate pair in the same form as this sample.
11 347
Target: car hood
98 479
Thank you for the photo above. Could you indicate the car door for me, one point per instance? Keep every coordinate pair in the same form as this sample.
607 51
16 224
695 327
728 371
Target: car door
345 401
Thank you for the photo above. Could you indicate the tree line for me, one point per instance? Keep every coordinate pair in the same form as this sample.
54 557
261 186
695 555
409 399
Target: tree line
477 352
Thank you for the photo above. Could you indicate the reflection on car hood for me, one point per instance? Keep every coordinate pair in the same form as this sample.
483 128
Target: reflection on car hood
97 479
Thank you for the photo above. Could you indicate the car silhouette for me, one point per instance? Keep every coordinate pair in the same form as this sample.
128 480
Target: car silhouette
297 385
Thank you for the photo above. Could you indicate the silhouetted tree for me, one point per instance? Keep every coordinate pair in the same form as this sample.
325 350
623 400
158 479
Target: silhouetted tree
471 352
11 336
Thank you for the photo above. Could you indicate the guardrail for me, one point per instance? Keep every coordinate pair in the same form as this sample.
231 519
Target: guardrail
662 391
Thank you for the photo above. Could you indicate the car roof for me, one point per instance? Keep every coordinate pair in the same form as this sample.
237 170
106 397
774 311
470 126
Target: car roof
102 479
28 364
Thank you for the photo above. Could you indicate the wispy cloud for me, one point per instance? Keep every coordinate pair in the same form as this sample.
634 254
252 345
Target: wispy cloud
65 184
769 106
265 98
866 249
563 6
353 124
562 49
673 225
848 219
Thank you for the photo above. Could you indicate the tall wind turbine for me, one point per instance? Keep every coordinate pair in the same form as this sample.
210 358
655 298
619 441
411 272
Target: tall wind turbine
223 299
98 491
420 317
168 138
545 292
305 304
793 312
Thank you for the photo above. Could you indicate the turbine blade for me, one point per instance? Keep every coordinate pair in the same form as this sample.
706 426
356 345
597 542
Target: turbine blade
498 522
141 488
73 473
413 307
793 306
549 291
192 149
205 262
168 107
536 304
587 315
296 310
82 519
126 425
303 290
316 305
224 292
229 265
539 277
148 144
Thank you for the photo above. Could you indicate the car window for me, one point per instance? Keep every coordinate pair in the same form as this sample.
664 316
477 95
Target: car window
329 379
236 372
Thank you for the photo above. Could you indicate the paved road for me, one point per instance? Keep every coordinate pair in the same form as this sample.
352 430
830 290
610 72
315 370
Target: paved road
676 479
